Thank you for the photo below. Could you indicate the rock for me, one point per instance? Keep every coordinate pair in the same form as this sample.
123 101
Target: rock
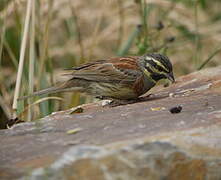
144 161
125 142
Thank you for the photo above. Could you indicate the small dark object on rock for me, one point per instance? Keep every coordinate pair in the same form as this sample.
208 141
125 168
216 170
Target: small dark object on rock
13 121
176 109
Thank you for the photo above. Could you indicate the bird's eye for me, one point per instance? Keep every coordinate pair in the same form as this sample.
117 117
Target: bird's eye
160 68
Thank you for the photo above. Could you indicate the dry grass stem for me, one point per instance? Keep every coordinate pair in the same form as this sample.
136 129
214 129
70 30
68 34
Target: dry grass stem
31 60
78 31
22 56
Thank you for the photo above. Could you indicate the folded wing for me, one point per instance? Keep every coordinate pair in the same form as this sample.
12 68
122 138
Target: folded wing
114 70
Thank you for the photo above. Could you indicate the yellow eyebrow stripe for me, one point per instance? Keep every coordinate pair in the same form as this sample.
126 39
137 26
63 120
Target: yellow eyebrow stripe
160 64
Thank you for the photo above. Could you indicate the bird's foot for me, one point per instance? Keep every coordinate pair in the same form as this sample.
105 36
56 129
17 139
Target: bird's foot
102 97
110 102
118 102
147 97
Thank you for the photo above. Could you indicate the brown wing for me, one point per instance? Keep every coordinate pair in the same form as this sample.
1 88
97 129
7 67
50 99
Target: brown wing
115 70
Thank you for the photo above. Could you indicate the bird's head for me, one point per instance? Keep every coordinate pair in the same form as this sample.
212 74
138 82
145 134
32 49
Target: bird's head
157 67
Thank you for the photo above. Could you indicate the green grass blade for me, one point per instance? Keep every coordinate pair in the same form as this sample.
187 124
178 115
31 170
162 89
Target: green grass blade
209 58
124 50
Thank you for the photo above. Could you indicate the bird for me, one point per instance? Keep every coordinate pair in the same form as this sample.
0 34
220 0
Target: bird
120 78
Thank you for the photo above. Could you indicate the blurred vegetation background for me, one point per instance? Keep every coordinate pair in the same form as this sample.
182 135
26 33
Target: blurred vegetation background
66 33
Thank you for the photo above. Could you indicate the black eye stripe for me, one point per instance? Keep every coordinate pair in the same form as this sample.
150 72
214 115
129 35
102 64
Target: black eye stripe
149 70
157 77
160 68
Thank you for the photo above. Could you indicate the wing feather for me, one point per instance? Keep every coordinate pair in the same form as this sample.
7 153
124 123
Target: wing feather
116 70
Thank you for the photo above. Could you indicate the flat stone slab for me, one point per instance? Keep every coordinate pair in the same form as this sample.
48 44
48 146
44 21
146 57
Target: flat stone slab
195 130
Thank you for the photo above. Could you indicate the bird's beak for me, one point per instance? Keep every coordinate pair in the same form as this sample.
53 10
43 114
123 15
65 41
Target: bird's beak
171 77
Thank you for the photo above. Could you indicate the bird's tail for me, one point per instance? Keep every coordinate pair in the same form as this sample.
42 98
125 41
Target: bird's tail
51 90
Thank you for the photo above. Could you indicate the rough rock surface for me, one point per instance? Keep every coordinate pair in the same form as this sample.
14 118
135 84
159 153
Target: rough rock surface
136 141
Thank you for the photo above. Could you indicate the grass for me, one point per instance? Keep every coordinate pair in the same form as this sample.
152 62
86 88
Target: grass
21 58
53 35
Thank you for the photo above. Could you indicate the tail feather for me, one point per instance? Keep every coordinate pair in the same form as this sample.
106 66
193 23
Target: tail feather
50 90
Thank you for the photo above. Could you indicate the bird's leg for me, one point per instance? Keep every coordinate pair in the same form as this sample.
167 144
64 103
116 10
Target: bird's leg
102 97
144 98
99 97
147 96
120 102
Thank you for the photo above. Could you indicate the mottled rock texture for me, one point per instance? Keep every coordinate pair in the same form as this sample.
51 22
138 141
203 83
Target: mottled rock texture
144 161
136 141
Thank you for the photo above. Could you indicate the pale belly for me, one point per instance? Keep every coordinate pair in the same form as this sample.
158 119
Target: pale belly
118 91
